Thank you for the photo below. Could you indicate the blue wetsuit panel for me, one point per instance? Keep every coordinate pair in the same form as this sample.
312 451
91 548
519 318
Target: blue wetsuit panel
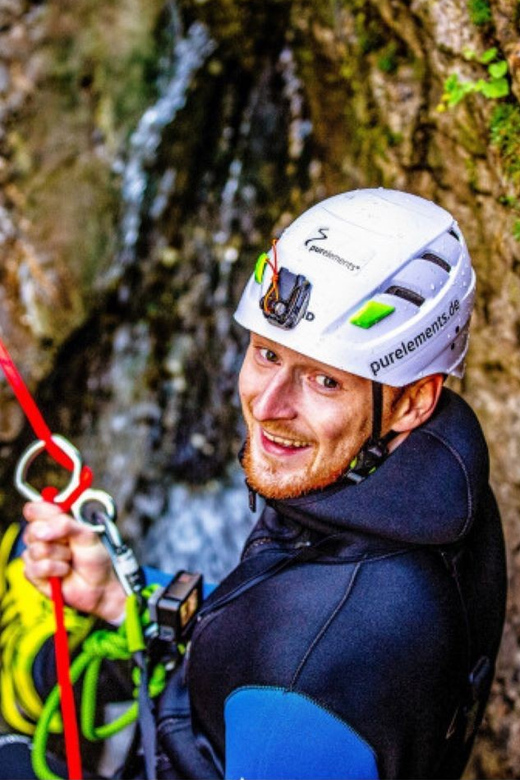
155 576
275 734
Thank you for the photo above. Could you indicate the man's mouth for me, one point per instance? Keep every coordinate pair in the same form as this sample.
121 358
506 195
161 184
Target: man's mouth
282 441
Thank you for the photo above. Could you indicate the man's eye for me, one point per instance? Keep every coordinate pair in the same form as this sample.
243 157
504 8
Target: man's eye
327 381
269 355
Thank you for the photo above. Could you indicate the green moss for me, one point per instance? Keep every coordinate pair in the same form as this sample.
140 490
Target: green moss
505 137
368 32
479 12
104 51
471 171
388 60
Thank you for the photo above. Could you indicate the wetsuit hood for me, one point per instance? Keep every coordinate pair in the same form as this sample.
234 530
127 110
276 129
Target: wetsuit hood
400 501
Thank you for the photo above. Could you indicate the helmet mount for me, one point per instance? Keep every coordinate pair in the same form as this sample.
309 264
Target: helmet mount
286 300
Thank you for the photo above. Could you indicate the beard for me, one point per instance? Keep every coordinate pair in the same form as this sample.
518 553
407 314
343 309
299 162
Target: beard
270 481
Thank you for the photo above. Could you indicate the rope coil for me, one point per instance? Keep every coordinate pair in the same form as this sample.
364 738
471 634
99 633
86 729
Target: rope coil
101 645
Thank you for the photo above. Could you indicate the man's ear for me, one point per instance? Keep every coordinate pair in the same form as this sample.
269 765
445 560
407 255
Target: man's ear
418 403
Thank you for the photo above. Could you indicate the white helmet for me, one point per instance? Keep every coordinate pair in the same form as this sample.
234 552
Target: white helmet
375 282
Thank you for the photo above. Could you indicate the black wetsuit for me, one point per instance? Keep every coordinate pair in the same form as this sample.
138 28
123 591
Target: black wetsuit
358 635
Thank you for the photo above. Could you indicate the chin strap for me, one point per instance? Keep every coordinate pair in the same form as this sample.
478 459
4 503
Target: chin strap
375 450
252 494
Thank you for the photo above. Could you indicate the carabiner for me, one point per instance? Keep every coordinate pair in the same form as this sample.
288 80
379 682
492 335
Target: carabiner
101 520
30 455
88 496
76 498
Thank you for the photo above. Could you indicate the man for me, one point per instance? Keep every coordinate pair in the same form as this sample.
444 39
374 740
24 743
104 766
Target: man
358 635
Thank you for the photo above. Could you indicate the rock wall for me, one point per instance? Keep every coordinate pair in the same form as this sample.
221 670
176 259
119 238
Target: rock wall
148 153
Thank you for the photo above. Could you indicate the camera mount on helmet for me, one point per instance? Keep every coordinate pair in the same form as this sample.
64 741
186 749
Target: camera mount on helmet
286 301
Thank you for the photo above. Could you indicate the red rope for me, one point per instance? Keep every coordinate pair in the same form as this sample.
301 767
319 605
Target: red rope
61 646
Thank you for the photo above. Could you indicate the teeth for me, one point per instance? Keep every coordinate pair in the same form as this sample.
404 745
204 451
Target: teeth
285 442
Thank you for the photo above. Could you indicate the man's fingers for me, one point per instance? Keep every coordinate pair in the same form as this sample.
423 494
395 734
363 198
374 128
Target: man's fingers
40 510
38 551
39 571
47 522
60 527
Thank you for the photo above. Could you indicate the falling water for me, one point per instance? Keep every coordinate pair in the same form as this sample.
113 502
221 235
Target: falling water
189 54
202 528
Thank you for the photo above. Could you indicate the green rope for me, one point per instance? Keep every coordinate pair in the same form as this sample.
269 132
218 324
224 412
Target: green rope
99 646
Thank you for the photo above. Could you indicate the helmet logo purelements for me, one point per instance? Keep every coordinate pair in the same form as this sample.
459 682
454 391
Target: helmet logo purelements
322 236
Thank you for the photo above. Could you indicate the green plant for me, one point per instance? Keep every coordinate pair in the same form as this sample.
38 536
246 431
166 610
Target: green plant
505 137
495 86
387 60
504 124
479 12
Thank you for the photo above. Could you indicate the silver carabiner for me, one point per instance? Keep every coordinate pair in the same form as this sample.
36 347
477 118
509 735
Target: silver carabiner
30 455
90 495
102 522
122 557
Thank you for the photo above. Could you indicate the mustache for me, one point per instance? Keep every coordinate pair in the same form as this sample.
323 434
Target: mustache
275 427
282 430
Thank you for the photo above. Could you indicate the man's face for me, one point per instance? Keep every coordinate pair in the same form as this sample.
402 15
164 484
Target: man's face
306 421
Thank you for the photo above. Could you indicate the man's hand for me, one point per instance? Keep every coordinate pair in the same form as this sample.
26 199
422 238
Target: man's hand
59 546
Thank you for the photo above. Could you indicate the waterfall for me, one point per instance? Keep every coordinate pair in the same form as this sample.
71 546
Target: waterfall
200 528
189 54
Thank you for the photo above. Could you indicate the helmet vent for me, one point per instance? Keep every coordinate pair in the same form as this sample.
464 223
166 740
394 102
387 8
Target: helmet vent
405 294
437 260
454 233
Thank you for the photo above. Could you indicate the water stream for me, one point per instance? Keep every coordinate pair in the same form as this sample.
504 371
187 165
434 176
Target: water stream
203 527
189 53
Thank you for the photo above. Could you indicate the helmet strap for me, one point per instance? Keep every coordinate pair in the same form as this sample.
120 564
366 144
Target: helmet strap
377 410
375 450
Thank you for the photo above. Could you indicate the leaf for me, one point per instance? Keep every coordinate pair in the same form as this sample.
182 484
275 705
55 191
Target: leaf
495 89
488 56
498 69
459 92
451 82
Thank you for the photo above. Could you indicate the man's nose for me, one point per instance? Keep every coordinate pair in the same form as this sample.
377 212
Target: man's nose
276 400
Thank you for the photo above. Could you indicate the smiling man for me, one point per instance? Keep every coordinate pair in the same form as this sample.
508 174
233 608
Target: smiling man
307 421
358 635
